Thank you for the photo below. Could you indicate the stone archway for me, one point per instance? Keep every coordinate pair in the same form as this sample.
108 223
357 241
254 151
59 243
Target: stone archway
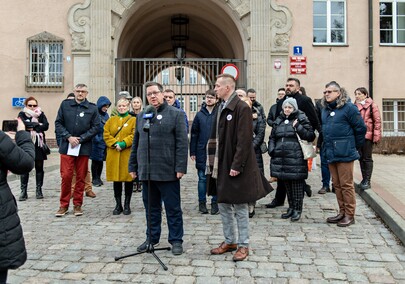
256 30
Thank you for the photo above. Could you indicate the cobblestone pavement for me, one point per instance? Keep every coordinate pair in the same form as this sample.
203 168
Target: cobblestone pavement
82 249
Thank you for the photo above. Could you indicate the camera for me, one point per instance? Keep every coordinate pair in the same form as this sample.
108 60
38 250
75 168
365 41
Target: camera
10 125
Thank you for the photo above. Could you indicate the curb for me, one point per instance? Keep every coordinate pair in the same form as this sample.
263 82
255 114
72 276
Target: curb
390 217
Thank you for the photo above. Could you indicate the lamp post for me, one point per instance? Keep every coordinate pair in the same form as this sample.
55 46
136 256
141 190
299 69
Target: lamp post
179 37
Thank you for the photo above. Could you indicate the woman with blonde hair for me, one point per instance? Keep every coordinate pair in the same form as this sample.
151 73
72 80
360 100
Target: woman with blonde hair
118 135
136 104
36 123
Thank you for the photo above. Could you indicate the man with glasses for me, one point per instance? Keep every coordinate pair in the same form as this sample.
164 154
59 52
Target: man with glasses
305 104
200 133
171 100
168 163
77 122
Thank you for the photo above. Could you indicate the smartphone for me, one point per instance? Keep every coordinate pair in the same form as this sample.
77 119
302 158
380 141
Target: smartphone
10 125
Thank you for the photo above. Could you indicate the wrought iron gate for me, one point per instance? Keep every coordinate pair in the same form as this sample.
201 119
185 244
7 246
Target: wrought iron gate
189 78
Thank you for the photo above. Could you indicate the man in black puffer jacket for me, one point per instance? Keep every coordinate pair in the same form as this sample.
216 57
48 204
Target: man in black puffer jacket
18 158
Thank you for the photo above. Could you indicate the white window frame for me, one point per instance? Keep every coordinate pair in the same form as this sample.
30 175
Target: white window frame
193 75
329 23
45 66
193 103
182 100
394 23
166 76
396 131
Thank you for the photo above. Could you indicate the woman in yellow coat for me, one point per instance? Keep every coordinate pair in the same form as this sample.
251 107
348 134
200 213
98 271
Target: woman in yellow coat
118 135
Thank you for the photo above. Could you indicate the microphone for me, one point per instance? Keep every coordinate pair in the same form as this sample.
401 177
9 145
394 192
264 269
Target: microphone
148 114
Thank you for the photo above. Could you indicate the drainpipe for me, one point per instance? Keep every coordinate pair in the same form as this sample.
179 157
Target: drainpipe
370 48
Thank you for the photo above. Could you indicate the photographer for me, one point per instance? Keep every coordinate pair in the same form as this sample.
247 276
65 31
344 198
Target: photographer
36 124
18 158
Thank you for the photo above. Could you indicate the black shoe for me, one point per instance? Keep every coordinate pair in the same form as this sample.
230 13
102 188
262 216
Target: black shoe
307 189
288 214
97 182
177 248
144 246
274 204
202 207
214 208
365 185
296 215
251 214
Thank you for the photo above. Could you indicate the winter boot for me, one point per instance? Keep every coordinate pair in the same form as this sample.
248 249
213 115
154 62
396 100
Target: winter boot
127 200
118 207
24 184
39 176
117 195
214 208
202 207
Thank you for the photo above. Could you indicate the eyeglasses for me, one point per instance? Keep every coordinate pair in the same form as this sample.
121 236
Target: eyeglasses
32 105
81 91
328 92
210 98
153 93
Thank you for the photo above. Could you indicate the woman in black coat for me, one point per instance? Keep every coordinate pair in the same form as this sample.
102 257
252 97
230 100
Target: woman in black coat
287 161
18 158
36 124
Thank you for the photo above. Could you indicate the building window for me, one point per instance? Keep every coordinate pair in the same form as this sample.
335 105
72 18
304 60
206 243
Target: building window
45 61
193 103
392 22
165 77
329 22
193 77
181 101
393 117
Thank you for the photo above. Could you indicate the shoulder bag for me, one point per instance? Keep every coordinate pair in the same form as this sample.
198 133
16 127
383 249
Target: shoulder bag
307 148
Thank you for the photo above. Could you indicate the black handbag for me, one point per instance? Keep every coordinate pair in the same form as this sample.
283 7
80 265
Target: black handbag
46 149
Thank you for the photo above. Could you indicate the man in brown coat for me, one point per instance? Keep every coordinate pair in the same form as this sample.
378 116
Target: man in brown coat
232 168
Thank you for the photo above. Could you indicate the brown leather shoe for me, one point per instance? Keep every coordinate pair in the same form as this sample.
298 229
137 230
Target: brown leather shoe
241 254
223 248
335 219
91 194
346 221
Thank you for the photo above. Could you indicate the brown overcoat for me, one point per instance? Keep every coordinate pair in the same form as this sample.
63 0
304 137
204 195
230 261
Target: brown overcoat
235 151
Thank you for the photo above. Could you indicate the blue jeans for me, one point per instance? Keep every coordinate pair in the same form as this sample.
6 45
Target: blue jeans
324 170
169 193
202 188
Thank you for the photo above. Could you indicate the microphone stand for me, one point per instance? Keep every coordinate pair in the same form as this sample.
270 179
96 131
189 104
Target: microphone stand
150 249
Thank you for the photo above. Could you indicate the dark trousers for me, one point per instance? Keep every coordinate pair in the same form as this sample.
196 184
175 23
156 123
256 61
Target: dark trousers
295 193
3 276
366 160
169 193
324 169
280 192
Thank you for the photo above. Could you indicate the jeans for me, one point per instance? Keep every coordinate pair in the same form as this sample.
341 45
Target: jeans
169 193
202 188
324 170
239 213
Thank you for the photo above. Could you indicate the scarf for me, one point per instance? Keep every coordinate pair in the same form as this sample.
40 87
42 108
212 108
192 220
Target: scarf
35 136
212 145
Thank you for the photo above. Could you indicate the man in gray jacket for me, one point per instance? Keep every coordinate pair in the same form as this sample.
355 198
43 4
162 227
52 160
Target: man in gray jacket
168 150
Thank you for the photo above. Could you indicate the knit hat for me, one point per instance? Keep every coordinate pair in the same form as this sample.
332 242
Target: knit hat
292 102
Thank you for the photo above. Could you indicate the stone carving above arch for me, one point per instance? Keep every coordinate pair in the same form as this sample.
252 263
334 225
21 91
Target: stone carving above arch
281 23
79 26
242 9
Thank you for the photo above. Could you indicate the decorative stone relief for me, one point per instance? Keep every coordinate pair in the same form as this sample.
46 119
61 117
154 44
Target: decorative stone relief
118 8
45 36
242 10
79 26
281 23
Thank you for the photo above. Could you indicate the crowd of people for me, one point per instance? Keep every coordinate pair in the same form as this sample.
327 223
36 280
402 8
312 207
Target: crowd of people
227 143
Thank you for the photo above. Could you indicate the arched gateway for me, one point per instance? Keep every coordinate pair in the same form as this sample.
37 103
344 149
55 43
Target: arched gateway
117 45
